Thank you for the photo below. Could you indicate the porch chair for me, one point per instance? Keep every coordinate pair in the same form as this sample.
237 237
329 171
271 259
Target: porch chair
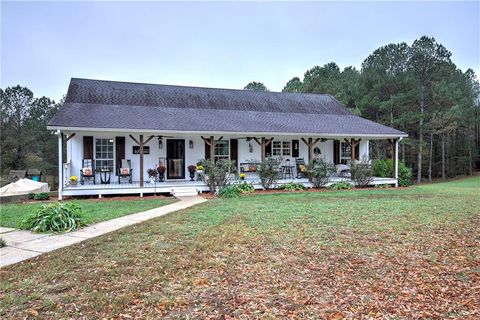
87 171
301 168
124 170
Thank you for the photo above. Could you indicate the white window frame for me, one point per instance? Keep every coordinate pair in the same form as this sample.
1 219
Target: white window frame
104 159
283 150
216 156
344 158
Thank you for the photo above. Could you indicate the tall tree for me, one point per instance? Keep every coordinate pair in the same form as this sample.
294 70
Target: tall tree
293 85
256 86
425 61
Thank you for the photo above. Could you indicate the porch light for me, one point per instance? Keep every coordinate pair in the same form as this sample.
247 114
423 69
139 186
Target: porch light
190 144
160 144
250 147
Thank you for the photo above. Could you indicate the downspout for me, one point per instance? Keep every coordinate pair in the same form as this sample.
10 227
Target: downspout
396 161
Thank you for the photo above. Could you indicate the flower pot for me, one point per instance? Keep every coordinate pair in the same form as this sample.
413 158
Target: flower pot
73 183
161 176
192 175
152 179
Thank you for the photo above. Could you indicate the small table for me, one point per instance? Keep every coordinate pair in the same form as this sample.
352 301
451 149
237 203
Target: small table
105 175
287 171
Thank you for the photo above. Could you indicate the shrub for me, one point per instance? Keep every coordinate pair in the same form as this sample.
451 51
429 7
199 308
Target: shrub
54 217
362 173
31 195
384 168
3 243
245 187
268 172
292 186
42 196
217 174
231 191
341 185
318 173
404 175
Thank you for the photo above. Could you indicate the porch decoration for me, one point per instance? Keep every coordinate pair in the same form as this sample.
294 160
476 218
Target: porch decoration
242 176
199 172
161 172
152 174
73 180
192 169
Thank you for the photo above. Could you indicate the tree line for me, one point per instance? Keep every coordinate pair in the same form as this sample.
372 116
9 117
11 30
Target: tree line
25 141
417 89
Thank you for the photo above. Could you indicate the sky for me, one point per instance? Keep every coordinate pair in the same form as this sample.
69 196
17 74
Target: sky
215 44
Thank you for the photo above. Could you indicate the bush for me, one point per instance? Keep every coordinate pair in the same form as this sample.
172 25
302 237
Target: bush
217 174
231 191
3 243
54 217
31 195
245 187
405 175
342 185
268 172
318 173
362 173
292 186
384 168
42 196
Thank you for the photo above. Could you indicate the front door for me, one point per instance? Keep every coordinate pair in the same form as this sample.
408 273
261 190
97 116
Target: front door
175 159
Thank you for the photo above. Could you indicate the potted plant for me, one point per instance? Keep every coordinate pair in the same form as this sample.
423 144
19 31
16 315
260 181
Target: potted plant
73 180
199 171
161 171
242 176
192 169
152 174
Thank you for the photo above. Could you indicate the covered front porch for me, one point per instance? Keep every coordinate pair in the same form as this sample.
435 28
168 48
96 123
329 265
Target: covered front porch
108 152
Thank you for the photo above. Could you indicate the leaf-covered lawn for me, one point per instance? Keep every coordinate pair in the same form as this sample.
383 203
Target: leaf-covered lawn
94 210
397 254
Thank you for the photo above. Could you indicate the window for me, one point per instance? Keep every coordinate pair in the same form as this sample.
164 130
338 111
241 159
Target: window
281 148
345 152
222 150
104 153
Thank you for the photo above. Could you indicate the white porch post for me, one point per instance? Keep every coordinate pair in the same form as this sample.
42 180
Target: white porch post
60 163
395 154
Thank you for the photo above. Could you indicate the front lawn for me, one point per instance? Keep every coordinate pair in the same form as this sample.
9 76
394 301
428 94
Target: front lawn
94 210
395 254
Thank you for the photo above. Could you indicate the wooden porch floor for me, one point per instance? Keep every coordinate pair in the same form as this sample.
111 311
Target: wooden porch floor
171 186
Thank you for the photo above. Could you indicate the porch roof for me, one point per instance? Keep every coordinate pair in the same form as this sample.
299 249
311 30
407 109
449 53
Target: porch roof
96 104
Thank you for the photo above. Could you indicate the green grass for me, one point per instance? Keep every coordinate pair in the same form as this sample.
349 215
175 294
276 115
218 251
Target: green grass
94 210
387 253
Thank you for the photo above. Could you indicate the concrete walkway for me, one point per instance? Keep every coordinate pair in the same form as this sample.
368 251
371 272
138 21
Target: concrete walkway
23 245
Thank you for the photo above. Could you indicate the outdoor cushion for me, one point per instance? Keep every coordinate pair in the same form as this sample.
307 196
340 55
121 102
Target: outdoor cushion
302 168
125 171
87 171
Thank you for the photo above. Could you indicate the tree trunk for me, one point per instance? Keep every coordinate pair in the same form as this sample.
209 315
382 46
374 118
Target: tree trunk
470 160
443 156
430 157
420 137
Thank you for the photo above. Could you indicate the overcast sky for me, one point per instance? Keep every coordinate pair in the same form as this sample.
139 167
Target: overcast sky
44 44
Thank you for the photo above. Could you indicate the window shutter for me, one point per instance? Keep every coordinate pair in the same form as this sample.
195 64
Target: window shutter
268 150
357 152
336 151
88 147
234 151
207 152
119 151
295 148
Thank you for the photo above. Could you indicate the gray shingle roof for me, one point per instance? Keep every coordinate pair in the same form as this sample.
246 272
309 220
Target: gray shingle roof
124 105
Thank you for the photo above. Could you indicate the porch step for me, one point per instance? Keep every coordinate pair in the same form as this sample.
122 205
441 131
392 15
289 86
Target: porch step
184 192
